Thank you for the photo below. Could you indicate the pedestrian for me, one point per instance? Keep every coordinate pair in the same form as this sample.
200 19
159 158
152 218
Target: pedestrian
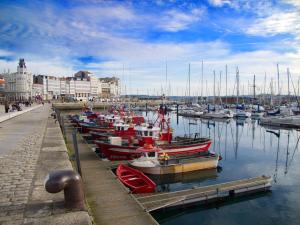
6 106
43 103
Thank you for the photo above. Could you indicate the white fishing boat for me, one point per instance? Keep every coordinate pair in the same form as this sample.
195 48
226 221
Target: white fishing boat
151 163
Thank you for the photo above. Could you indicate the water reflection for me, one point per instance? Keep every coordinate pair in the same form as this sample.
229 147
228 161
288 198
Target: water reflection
248 149
169 182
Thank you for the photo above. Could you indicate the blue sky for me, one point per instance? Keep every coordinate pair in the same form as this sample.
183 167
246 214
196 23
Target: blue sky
61 37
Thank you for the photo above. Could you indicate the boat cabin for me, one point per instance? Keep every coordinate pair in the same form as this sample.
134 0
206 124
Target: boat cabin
111 119
147 134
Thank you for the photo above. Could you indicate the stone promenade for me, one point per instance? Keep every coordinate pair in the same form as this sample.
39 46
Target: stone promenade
31 145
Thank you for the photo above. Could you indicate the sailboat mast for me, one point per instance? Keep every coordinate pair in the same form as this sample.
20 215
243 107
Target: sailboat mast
220 86
214 88
166 78
189 80
288 74
206 90
278 79
202 81
254 87
237 85
226 83
265 83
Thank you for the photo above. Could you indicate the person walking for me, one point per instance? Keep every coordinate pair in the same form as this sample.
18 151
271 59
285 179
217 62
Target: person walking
6 106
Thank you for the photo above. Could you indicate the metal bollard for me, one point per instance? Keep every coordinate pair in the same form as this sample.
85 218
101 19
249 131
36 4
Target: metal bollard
71 183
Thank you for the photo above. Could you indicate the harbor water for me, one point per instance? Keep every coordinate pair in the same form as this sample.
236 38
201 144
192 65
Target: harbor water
247 149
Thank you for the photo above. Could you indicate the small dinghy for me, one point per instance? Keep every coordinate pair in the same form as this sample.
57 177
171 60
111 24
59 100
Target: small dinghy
137 181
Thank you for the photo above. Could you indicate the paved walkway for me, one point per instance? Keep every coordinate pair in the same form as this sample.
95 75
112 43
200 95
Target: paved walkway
20 140
31 146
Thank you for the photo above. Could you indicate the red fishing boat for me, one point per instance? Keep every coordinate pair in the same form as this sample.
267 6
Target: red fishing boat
137 181
93 125
120 130
117 149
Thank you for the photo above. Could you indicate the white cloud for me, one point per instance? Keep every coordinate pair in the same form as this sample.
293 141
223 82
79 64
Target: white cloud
49 67
277 23
174 20
219 3
57 41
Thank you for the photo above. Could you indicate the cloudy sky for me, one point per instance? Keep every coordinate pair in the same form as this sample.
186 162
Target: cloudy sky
136 39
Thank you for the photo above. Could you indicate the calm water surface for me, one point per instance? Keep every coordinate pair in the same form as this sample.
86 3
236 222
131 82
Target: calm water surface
248 150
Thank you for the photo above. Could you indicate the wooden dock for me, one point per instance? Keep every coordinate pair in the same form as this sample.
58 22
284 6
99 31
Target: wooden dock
156 201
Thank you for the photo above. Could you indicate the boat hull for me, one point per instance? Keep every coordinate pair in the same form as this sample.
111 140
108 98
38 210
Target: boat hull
120 152
135 180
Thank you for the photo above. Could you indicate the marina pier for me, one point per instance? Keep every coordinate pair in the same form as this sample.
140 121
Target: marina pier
202 195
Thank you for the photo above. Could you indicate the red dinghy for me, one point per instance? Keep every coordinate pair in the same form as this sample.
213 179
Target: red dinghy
135 180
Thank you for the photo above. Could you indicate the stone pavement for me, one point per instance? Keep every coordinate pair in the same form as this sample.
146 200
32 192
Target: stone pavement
31 146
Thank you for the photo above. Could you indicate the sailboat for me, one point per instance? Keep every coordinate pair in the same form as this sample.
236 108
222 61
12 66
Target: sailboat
240 112
257 111
220 114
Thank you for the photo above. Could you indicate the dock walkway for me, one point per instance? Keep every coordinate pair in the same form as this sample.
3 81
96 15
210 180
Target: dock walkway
155 201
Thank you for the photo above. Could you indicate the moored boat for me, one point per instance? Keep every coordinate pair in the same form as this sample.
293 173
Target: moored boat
137 181
117 149
151 163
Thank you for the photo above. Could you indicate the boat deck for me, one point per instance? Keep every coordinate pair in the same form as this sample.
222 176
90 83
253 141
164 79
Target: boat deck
155 201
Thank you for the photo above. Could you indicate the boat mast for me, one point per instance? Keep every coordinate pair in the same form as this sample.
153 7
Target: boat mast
271 89
202 81
265 82
278 80
189 80
214 89
237 86
254 87
166 88
220 86
288 74
206 90
226 84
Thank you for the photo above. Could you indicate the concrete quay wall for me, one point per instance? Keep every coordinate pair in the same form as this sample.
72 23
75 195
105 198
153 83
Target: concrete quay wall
101 105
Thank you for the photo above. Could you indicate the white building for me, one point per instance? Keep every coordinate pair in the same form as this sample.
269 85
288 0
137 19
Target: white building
82 86
110 87
18 86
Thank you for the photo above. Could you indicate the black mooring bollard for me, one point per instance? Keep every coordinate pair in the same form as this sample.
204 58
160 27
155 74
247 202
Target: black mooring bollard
70 182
